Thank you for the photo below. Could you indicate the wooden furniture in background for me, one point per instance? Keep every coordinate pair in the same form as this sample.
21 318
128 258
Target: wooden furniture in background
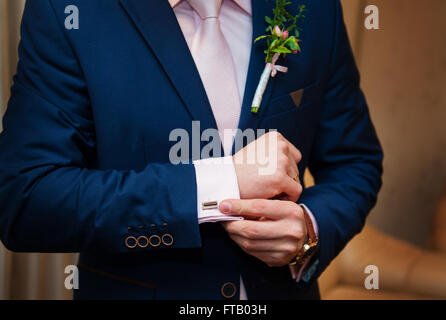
406 271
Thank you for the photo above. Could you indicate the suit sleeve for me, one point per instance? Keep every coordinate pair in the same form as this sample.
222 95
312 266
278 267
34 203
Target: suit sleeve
51 197
346 159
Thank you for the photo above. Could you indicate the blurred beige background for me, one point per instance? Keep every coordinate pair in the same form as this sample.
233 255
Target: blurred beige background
403 67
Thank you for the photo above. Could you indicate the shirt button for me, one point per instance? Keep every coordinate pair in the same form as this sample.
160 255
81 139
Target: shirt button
228 290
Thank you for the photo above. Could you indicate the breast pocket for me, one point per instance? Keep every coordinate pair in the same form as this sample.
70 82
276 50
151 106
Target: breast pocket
294 100
288 113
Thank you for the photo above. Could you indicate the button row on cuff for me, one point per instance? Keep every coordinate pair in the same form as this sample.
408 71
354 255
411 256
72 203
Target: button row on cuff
154 241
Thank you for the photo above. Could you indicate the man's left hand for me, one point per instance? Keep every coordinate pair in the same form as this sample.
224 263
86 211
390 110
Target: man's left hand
273 230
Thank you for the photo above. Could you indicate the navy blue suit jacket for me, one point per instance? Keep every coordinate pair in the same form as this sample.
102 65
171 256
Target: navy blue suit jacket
84 155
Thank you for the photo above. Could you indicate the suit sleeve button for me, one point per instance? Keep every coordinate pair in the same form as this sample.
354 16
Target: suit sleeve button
155 241
131 242
142 241
167 239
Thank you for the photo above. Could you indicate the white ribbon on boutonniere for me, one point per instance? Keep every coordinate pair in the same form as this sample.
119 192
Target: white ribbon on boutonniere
279 42
274 68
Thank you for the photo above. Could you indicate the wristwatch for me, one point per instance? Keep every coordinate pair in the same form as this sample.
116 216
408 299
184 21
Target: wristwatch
310 245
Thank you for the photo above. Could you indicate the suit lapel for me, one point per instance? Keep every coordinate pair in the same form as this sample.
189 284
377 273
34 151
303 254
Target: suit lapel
260 9
153 19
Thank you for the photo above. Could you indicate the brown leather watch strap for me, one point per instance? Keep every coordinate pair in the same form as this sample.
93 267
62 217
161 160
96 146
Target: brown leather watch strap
312 237
312 241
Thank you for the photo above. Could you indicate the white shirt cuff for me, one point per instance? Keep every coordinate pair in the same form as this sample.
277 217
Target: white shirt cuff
216 181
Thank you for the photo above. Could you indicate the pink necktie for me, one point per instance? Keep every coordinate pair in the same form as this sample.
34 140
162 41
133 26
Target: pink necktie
215 64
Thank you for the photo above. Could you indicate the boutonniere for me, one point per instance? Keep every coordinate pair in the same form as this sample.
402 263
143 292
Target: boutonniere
280 40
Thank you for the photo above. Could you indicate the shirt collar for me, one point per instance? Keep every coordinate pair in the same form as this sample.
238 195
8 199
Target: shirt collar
245 5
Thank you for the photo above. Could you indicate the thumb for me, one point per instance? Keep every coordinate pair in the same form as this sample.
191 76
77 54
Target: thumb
226 206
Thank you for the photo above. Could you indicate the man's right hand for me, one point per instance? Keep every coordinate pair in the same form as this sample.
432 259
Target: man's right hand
281 159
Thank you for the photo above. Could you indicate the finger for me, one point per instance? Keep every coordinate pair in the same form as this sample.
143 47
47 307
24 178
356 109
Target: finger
273 209
285 144
292 189
273 245
292 171
272 258
255 230
295 153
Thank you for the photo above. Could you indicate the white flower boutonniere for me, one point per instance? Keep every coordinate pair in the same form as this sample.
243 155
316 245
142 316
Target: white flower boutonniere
279 42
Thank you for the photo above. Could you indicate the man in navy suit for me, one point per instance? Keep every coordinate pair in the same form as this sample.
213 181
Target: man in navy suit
85 155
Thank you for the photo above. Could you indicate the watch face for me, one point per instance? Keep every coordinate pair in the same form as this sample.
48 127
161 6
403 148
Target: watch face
313 248
309 252
306 252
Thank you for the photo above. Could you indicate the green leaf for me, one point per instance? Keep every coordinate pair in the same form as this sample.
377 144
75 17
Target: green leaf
282 50
292 45
259 38
273 43
268 20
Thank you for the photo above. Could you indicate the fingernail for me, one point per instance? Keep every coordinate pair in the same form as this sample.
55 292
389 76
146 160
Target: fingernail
225 207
